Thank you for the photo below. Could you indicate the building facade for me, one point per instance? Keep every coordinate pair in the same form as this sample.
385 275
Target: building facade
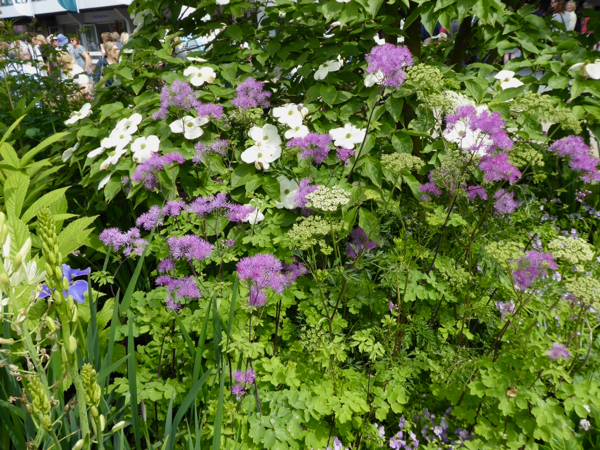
88 19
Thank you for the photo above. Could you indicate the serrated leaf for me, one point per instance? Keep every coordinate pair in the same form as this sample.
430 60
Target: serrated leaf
15 190
18 232
9 155
75 235
328 94
45 200
368 222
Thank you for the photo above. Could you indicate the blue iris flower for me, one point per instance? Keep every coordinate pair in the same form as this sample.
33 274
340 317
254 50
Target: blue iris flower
77 289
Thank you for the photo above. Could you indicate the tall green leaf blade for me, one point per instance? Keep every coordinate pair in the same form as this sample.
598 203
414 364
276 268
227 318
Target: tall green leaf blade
132 377
216 445
10 130
43 201
41 146
9 156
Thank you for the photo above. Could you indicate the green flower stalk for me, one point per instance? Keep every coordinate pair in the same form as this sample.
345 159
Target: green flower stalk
67 310
40 404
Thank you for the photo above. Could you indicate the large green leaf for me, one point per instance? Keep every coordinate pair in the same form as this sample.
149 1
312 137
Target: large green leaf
75 235
45 200
9 156
15 190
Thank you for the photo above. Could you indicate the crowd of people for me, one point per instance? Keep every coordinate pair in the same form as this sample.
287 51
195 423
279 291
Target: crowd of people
41 55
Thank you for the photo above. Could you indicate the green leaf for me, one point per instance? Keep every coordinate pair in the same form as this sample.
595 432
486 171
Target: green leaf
235 32
328 94
19 233
8 132
368 222
131 375
577 89
242 174
402 142
45 200
75 235
42 145
394 107
15 190
9 155
371 6
109 110
371 167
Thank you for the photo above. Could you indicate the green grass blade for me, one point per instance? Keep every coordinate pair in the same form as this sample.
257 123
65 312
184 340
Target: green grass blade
216 445
108 370
111 335
131 374
186 336
189 399
168 422
92 340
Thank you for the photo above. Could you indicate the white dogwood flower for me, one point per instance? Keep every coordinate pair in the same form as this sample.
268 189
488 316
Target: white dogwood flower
69 152
348 136
299 131
76 116
507 79
112 159
374 78
200 75
467 139
267 147
144 147
189 126
104 181
287 191
325 68
289 115
254 217
588 70
130 124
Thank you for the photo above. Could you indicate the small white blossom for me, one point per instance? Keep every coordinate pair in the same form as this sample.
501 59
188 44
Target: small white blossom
112 159
507 79
76 116
144 147
348 136
200 75
325 68
587 408
585 424
466 138
328 199
222 2
119 139
254 217
189 126
287 191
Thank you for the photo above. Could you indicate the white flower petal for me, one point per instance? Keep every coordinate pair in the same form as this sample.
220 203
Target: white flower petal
104 180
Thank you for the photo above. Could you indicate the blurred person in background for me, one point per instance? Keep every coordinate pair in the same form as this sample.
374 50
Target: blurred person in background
112 57
116 38
124 38
71 71
81 56
106 37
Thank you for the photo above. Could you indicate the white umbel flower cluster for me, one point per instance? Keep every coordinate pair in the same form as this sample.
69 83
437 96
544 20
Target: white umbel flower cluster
328 199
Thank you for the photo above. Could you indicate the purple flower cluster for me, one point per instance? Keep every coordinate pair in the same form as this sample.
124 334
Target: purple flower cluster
219 146
579 155
131 242
151 218
400 442
189 247
434 432
429 188
146 171
181 95
476 191
243 381
203 206
343 154
337 444
391 60
558 350
182 287
250 94
304 188
505 309
313 145
265 271
488 126
497 167
532 266
505 202
165 265
359 243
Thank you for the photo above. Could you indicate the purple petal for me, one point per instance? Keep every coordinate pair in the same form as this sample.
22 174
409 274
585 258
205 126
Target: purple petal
45 292
78 290
70 273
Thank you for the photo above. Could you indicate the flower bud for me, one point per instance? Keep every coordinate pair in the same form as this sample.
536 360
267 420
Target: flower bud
6 341
65 284
72 344
45 421
50 323
5 282
17 261
5 240
102 422
78 445
74 316
94 411
63 354
118 426
57 297
25 249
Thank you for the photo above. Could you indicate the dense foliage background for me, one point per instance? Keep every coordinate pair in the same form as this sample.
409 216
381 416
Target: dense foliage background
300 236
